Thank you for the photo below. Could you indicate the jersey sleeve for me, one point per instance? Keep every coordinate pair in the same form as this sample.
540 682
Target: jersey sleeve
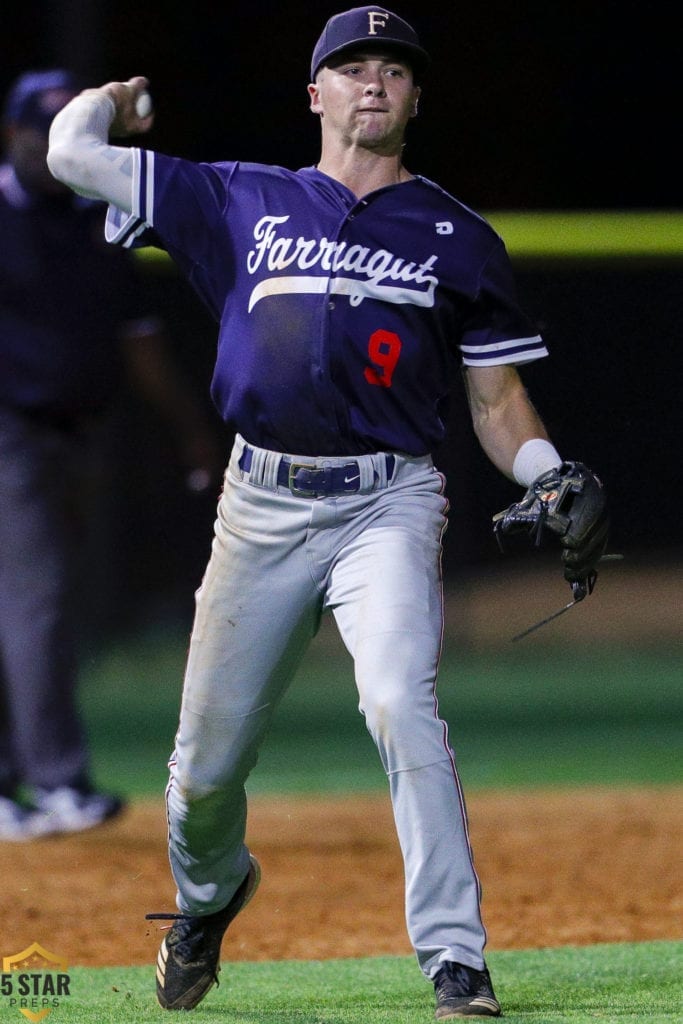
180 205
496 331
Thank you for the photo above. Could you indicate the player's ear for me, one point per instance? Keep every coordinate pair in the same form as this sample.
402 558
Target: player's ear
314 94
416 96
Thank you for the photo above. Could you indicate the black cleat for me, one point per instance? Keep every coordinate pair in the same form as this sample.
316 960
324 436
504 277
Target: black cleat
464 992
187 964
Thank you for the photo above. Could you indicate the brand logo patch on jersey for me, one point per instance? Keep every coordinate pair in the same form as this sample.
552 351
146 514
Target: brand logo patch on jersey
444 227
412 282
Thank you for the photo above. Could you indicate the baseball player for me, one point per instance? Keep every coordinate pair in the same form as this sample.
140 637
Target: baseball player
345 294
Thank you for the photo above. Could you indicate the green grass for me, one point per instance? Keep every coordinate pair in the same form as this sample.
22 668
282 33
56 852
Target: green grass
518 717
611 984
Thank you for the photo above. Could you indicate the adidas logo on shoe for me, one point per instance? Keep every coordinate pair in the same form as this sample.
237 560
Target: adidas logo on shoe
463 991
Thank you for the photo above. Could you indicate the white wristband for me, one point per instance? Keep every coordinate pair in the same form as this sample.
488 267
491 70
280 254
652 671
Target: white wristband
533 458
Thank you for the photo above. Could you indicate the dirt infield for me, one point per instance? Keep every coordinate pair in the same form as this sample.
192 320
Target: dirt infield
557 868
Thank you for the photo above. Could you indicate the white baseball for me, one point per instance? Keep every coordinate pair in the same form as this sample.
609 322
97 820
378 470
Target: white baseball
143 105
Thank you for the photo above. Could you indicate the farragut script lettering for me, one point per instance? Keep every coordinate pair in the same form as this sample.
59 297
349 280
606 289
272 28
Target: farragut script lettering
380 273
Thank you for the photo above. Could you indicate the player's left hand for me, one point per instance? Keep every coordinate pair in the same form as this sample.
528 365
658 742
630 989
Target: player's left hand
569 502
125 96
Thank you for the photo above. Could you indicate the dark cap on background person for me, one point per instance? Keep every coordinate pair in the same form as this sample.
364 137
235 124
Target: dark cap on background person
36 97
368 28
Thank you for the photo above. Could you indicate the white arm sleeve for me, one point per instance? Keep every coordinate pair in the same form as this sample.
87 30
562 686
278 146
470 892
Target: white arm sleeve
80 155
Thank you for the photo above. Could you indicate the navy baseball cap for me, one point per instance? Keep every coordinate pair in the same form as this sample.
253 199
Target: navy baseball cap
368 28
36 96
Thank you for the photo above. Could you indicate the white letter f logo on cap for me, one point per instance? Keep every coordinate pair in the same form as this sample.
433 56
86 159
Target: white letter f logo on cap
376 18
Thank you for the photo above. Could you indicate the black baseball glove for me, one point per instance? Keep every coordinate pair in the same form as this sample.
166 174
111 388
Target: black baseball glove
570 503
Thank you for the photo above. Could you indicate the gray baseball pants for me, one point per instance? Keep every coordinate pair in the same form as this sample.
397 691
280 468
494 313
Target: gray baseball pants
278 562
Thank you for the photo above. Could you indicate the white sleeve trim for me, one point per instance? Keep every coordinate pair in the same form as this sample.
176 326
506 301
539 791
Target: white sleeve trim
513 350
122 228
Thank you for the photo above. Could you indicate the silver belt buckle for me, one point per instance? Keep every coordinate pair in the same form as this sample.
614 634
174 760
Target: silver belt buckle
300 492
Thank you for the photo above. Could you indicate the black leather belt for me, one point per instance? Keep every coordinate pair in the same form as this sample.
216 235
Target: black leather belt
307 481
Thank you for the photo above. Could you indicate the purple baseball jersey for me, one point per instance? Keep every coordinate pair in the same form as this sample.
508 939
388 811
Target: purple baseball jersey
341 319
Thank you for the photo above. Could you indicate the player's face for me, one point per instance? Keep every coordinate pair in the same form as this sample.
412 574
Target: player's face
366 99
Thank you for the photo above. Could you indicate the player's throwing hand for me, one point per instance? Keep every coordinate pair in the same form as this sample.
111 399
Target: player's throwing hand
134 113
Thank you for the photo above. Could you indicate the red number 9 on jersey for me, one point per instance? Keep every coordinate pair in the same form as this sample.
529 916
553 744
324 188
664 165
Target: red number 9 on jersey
384 348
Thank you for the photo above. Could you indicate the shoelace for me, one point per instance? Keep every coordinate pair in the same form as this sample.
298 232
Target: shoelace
176 917
191 933
167 917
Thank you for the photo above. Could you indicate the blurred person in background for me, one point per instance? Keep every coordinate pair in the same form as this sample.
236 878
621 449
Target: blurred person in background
73 325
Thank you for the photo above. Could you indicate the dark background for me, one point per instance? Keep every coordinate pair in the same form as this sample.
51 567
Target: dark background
528 106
